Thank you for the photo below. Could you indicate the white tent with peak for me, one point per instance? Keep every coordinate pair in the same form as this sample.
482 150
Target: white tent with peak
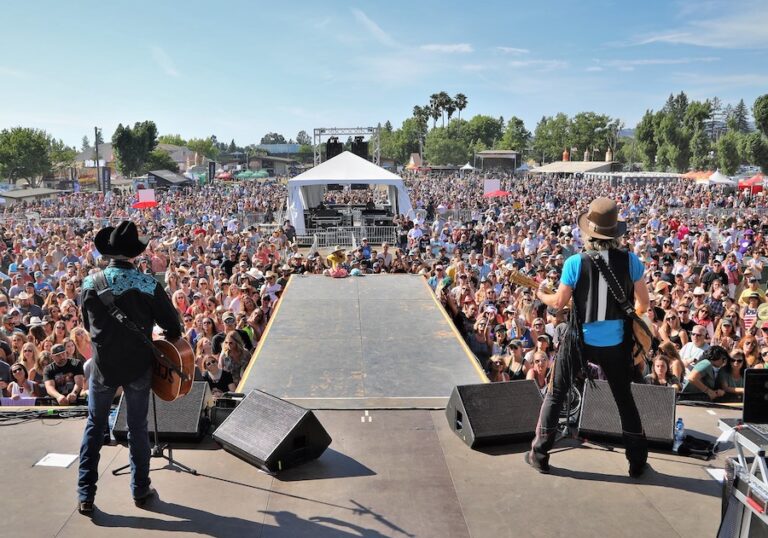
718 178
467 167
306 190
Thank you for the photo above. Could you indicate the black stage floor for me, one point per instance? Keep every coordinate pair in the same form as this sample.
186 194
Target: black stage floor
367 342
397 473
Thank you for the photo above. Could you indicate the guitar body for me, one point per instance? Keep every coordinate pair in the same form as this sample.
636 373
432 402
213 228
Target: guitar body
167 385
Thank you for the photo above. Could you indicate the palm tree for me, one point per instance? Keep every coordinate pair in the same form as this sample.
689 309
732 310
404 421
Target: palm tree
434 106
450 108
444 101
434 112
460 100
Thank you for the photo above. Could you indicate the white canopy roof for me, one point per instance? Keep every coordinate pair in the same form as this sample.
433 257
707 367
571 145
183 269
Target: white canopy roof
306 190
467 167
718 178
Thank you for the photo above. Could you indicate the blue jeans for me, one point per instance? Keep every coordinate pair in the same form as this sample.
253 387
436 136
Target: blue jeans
100 397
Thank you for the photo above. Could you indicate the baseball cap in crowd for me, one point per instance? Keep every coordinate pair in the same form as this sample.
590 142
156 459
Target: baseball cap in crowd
517 344
698 290
57 349
500 328
38 274
229 316
660 285
727 321
490 308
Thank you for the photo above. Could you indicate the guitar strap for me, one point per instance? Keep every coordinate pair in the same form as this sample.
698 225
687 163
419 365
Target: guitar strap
618 293
107 298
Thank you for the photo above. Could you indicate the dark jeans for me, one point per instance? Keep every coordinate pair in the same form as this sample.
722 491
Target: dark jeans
100 399
616 363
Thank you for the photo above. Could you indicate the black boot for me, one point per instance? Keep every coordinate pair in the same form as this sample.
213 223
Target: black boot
538 456
636 451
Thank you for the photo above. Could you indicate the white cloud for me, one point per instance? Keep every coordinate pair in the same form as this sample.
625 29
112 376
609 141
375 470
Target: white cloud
164 62
374 29
594 68
448 48
736 25
513 51
539 65
8 72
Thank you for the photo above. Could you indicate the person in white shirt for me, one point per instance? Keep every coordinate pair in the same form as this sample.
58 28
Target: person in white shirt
691 352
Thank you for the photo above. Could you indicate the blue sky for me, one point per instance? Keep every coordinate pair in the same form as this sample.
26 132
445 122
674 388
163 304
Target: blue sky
238 69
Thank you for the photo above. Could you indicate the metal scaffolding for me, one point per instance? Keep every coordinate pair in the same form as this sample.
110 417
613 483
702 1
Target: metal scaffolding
323 133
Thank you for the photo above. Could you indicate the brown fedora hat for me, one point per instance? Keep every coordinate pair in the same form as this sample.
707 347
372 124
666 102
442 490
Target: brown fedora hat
601 220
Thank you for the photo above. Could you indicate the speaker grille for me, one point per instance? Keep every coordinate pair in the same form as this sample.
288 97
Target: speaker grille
270 421
494 412
656 405
181 419
271 433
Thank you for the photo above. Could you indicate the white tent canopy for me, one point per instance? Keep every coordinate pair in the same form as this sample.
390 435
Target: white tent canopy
306 190
467 167
718 178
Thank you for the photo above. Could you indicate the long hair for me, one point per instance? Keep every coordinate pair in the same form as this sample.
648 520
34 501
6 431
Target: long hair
592 243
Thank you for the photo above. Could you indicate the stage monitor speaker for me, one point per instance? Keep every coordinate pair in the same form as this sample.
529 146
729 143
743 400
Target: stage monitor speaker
333 147
494 413
600 416
272 434
180 420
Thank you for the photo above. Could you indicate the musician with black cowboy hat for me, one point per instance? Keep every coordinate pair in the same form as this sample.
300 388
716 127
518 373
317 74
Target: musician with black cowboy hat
599 330
121 358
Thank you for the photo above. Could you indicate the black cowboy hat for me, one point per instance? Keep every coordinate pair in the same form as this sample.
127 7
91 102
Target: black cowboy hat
122 240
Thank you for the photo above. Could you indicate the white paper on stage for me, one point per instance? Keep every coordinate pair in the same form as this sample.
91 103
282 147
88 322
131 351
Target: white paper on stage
490 185
56 460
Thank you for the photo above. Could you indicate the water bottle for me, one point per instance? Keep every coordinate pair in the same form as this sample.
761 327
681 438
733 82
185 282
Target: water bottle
679 434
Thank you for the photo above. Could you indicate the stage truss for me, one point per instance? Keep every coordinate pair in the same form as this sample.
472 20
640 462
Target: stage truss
324 133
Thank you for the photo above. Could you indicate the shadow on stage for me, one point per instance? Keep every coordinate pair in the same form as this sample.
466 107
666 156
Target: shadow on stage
191 520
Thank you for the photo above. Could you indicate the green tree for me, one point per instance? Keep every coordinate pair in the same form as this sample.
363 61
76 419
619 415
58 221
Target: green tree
740 117
132 146
24 154
673 142
516 136
159 159
172 139
760 113
444 102
550 137
204 146
487 129
700 149
442 148
85 145
645 133
303 139
232 148
754 150
61 155
460 100
591 131
728 153
273 138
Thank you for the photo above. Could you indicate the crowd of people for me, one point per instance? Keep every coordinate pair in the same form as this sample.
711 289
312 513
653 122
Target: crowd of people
703 248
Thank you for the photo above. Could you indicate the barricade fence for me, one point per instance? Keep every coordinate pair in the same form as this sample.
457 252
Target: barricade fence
347 236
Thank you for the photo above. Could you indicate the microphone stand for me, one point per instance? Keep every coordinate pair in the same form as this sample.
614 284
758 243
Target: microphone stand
158 450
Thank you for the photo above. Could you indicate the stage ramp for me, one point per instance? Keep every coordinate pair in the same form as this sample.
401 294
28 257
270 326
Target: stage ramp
378 341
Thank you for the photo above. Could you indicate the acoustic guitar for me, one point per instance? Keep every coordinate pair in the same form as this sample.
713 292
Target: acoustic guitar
643 341
166 383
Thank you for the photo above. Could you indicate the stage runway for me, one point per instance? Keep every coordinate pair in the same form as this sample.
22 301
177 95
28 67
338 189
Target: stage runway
380 341
401 473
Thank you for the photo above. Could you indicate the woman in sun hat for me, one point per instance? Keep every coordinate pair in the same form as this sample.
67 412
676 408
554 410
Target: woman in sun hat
335 259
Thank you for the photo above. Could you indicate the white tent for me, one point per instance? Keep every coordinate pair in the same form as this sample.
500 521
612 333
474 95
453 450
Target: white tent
467 167
718 178
306 190
523 168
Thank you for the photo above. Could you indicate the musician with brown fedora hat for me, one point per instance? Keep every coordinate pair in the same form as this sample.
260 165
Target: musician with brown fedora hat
599 330
120 358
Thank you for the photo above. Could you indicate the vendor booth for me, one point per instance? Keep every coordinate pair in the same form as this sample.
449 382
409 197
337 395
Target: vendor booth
308 206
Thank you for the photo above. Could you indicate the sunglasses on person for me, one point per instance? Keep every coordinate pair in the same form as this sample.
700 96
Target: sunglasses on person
737 360
698 334
207 322
208 363
539 361
16 370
